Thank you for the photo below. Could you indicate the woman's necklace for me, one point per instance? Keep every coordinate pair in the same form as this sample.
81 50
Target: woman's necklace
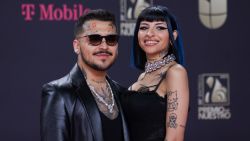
153 66
109 106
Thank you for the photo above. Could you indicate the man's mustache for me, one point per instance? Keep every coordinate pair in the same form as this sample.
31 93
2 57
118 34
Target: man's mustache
107 52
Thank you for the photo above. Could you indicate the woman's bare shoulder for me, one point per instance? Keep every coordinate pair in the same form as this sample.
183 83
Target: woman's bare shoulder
176 71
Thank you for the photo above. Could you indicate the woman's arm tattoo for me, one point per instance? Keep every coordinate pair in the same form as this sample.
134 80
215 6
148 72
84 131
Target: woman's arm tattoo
172 121
172 101
172 105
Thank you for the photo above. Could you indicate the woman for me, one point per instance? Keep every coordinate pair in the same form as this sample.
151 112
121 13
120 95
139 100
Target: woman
156 105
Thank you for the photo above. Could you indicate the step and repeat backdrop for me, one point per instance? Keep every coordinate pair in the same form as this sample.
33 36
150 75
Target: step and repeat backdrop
36 47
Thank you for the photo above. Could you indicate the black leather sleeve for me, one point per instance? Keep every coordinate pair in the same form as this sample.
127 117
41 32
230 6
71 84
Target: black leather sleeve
54 121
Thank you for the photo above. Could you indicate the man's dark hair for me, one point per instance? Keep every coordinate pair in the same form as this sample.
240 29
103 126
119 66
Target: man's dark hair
98 14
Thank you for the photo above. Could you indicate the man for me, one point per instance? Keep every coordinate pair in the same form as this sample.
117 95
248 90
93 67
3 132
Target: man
83 105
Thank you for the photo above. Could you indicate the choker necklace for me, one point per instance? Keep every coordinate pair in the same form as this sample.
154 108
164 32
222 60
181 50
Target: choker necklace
111 105
153 66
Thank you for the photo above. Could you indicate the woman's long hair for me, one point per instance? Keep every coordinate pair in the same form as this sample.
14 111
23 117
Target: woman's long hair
157 13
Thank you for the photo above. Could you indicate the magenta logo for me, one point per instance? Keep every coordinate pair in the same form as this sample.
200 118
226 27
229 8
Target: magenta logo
28 11
51 12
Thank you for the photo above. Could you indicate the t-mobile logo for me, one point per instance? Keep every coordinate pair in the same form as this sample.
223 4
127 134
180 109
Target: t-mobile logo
28 10
53 12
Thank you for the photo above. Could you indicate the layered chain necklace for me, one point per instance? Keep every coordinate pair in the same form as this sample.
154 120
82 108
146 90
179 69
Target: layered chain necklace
109 106
153 66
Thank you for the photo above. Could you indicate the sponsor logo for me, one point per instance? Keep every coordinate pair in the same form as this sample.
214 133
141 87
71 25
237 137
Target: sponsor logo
52 12
214 96
213 13
129 11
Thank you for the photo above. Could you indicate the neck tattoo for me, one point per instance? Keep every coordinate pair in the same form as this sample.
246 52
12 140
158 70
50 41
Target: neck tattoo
153 66
98 81
110 106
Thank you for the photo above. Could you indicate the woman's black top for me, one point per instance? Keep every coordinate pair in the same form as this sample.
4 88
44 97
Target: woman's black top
145 112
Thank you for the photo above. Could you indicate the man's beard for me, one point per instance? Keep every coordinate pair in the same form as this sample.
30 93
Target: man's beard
96 66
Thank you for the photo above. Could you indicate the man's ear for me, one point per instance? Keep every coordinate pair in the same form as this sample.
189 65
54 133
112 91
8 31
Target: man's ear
175 34
76 46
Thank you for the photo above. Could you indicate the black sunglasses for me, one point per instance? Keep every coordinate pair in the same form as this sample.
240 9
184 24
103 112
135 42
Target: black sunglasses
96 39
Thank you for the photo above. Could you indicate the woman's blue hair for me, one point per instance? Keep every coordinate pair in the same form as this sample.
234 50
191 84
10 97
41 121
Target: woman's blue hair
157 13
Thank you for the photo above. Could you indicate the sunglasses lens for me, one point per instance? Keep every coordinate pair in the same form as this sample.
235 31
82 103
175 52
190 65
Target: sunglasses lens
112 40
95 39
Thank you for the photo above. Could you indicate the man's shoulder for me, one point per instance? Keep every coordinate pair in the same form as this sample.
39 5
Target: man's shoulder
60 90
59 93
60 83
59 87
